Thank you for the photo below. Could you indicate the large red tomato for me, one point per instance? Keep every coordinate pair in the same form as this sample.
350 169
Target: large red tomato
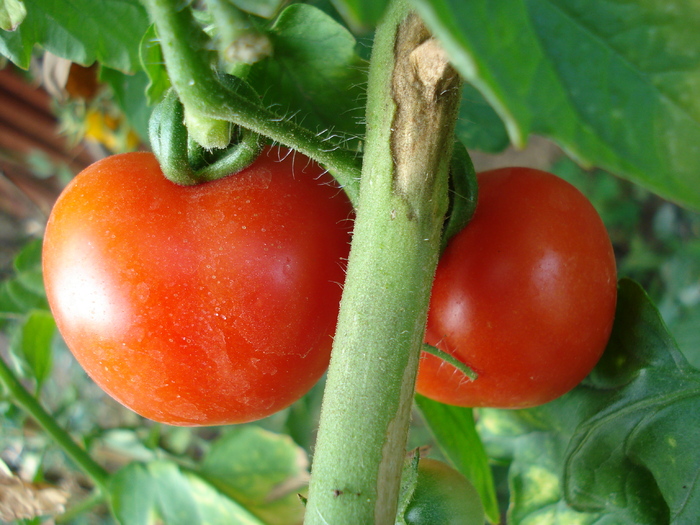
525 295
202 305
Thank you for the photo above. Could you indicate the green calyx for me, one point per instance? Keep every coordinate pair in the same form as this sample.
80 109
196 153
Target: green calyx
463 193
182 160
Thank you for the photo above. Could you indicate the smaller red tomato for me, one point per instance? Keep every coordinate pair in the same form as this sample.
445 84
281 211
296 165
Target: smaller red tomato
525 295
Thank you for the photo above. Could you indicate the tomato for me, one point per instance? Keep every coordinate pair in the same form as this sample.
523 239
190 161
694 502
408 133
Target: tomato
203 305
443 496
525 295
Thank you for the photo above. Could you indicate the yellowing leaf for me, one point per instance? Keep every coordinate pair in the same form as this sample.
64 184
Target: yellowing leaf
12 13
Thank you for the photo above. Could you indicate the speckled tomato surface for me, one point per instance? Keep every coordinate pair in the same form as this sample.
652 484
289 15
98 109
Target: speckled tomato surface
202 305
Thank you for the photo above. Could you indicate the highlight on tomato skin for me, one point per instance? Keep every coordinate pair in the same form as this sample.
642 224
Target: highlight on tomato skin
204 305
525 295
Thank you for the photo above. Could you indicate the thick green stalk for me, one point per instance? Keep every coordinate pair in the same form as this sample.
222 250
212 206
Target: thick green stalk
413 99
205 97
30 404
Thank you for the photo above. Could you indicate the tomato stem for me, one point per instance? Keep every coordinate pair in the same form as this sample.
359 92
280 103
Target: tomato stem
32 406
413 97
467 371
240 43
204 97
182 160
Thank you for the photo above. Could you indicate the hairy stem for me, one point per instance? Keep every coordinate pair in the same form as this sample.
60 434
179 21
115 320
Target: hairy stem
205 97
413 97
31 405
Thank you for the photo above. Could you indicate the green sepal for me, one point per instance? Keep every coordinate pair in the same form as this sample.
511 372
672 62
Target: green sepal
182 159
464 191
215 164
168 136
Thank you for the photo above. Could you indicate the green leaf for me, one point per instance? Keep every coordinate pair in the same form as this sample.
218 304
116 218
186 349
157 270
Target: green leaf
24 291
162 492
32 344
464 193
81 31
15 298
361 14
261 470
479 126
614 83
27 266
455 433
534 477
153 64
620 448
685 330
314 75
29 257
12 13
648 428
262 8
534 443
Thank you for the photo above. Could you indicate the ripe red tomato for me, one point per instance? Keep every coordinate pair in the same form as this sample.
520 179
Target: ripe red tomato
203 305
525 295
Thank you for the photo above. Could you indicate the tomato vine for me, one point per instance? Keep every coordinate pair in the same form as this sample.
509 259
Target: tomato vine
300 83
396 241
206 100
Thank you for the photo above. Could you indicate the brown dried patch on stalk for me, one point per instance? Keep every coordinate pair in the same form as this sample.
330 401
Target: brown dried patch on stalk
425 89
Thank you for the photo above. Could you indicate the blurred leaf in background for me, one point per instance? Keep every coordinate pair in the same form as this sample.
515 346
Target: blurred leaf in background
24 290
249 475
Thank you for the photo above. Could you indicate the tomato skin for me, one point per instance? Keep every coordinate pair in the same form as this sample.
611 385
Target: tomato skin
443 496
203 305
525 295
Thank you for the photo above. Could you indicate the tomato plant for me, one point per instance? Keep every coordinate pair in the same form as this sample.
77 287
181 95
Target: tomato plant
443 495
199 305
524 295
609 84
